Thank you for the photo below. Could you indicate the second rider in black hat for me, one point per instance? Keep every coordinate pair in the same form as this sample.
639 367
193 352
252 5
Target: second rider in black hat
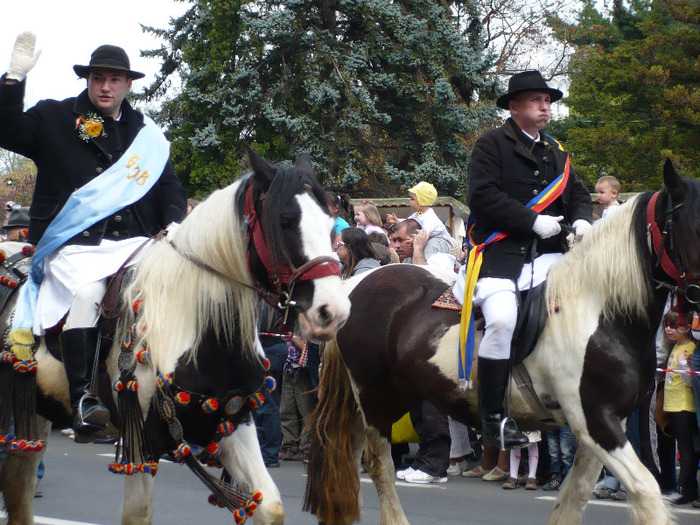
510 166
90 152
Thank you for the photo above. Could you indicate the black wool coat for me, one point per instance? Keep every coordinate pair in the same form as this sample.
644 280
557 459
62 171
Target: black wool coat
47 134
507 169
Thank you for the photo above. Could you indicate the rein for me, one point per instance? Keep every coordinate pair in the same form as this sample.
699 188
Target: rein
669 260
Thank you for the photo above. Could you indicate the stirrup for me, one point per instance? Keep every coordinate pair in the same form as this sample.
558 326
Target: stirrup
522 439
94 417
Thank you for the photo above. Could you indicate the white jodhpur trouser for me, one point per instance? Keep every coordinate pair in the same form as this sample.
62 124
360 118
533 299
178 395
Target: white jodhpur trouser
76 280
498 303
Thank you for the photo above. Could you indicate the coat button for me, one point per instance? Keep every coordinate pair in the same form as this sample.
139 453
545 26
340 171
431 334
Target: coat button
535 192
117 218
537 172
544 183
115 233
98 169
86 233
545 159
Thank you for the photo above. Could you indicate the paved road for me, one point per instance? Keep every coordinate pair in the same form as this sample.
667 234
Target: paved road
78 489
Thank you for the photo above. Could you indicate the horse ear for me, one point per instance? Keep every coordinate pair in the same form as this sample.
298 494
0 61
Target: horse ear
673 182
303 164
263 173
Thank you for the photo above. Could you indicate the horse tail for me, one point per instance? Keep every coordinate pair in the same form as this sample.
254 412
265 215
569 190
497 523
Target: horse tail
333 481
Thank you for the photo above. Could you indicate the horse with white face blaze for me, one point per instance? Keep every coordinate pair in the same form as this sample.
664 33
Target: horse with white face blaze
591 365
189 336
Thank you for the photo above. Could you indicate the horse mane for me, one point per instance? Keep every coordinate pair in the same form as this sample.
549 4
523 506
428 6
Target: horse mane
181 300
611 267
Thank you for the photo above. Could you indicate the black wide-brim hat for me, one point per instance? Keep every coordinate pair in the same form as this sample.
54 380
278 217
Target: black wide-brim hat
527 81
108 57
18 218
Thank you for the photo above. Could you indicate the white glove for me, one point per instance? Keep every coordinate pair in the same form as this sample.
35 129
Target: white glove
581 227
547 226
23 56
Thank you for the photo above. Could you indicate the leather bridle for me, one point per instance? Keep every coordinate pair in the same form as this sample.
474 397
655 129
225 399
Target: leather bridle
668 259
282 278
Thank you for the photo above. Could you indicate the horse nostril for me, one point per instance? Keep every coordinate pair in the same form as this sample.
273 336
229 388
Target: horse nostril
325 316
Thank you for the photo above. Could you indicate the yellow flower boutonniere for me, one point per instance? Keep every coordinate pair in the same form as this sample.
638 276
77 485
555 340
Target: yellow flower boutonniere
90 127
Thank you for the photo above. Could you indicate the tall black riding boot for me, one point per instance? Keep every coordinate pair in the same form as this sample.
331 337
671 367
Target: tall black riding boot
78 349
497 430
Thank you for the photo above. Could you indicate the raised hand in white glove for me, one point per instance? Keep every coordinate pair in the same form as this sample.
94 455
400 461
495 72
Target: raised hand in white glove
23 56
547 226
581 227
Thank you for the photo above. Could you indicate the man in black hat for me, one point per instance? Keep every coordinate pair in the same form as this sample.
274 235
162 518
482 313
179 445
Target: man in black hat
104 185
15 229
512 167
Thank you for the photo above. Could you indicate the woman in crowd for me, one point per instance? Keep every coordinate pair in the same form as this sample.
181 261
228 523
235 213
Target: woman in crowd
355 252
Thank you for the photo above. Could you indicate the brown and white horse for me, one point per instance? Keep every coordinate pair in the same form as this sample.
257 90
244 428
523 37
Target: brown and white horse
593 362
192 305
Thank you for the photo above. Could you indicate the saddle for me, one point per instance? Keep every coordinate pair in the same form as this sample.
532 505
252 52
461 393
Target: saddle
532 316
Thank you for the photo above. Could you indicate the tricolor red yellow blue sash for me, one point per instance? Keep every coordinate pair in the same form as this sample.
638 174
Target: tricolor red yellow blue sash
466 335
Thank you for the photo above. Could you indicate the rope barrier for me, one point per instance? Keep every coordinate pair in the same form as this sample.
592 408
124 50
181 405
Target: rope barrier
691 372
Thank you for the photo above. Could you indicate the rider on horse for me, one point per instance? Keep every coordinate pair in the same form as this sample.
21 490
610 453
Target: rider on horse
520 184
104 185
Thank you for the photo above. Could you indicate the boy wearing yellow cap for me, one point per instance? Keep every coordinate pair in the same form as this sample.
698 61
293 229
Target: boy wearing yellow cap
423 196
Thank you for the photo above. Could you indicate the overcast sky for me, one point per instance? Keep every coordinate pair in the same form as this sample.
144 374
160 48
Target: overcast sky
68 31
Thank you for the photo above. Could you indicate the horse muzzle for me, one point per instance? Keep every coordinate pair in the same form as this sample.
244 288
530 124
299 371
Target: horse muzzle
322 323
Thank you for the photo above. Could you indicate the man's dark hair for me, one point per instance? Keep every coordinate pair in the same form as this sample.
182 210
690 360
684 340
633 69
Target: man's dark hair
412 226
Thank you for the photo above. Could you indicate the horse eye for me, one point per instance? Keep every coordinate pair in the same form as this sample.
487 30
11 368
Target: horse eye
288 220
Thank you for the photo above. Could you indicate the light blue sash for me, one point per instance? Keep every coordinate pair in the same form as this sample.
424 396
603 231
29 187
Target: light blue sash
122 184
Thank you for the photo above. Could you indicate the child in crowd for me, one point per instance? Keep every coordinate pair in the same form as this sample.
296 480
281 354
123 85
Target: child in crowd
680 404
367 217
533 457
338 205
423 195
607 189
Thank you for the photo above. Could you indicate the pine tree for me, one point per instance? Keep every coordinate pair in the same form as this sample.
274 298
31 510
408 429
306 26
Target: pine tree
382 94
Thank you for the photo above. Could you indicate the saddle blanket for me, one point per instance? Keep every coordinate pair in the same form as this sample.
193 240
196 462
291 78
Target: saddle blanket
448 301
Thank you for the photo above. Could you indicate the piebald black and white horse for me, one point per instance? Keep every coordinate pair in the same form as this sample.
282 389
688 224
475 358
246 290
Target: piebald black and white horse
188 337
593 362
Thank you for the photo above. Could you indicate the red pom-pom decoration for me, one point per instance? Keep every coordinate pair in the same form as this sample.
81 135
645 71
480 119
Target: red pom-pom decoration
225 428
256 400
210 406
136 307
182 451
182 398
213 449
239 516
164 380
267 364
143 356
